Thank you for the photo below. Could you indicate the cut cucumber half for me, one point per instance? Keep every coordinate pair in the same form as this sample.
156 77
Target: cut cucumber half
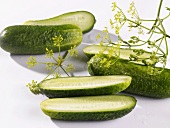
84 86
83 19
91 50
88 108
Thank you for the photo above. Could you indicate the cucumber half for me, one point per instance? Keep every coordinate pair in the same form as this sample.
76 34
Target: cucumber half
88 108
91 50
84 86
83 19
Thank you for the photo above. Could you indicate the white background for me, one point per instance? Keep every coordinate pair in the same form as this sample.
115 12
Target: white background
19 108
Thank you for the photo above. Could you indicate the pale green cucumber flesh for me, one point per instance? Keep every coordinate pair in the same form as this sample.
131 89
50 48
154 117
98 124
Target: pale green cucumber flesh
83 86
143 83
91 50
83 19
28 39
89 107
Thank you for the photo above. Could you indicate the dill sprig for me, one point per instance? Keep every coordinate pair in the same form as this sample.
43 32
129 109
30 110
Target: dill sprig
156 35
55 66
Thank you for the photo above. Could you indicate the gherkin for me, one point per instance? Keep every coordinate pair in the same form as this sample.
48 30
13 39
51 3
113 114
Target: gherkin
143 83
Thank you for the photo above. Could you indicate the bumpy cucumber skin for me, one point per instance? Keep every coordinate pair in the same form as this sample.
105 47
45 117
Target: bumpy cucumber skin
87 116
157 86
78 18
27 39
107 90
90 116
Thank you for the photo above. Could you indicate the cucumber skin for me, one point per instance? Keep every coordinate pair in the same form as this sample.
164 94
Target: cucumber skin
87 116
156 86
27 39
61 20
90 116
108 90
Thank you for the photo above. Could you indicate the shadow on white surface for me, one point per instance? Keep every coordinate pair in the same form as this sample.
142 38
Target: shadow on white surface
80 62
83 124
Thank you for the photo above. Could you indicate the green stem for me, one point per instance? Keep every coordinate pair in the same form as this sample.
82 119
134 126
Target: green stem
167 36
143 26
158 14
166 17
139 44
150 36
64 71
65 55
59 50
159 9
147 20
50 73
159 39
166 43
121 12
45 63
54 58
125 42
159 29
158 47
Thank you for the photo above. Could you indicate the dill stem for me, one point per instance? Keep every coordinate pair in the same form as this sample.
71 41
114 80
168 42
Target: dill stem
143 26
158 14
50 73
64 71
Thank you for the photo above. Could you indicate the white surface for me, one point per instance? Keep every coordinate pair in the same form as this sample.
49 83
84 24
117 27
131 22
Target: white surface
20 109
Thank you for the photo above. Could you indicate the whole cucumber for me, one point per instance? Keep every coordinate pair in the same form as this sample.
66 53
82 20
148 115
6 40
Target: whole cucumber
143 83
34 39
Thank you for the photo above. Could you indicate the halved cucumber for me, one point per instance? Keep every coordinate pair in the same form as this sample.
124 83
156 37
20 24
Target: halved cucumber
83 19
88 108
83 86
91 50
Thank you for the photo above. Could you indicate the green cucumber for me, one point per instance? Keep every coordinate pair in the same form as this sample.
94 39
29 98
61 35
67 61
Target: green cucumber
88 108
91 50
143 83
28 39
83 19
84 86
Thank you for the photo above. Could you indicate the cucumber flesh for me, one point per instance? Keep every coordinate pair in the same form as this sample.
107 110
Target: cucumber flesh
91 50
88 108
83 19
82 86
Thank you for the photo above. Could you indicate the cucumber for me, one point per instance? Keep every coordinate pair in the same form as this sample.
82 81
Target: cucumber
143 83
88 108
91 50
83 19
84 86
28 39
